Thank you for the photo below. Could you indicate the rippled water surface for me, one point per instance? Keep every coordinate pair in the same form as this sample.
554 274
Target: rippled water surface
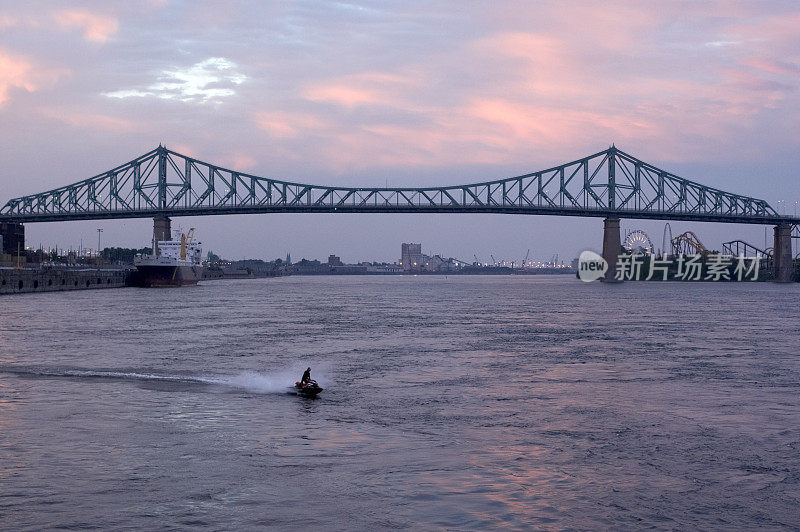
449 402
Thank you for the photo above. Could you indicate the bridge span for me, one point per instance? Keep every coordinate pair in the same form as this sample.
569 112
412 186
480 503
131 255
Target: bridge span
610 184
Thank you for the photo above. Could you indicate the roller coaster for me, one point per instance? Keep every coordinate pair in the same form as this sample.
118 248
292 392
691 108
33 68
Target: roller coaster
688 243
742 248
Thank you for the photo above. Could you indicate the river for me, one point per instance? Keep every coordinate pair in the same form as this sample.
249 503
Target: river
467 403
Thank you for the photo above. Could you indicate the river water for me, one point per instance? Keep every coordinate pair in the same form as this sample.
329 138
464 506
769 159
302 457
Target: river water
450 403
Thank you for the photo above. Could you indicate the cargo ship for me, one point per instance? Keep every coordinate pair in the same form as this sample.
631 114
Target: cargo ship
176 262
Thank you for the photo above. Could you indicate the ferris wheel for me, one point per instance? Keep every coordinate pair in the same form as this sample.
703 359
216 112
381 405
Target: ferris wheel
638 242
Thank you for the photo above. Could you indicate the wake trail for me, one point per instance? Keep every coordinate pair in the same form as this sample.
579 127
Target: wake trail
279 382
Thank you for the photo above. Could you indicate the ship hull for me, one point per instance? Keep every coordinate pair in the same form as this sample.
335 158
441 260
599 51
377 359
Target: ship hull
165 276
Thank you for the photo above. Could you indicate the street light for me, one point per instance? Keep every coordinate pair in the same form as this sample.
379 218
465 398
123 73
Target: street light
98 245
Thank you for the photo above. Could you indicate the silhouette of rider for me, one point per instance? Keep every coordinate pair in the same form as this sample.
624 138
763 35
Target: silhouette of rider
306 376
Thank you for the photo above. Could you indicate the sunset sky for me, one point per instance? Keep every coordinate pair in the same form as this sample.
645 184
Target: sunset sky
400 93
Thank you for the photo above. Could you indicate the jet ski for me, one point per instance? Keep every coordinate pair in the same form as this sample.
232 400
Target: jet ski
309 389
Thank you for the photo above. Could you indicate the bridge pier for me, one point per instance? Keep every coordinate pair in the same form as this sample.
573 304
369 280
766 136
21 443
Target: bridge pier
12 238
162 228
782 254
612 244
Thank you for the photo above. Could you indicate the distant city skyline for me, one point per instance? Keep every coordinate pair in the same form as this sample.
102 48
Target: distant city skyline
400 95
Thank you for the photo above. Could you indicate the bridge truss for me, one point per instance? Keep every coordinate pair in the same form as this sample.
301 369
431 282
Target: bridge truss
610 183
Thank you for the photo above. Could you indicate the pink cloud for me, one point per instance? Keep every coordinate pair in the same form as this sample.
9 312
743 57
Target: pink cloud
366 88
617 27
530 46
535 65
512 123
240 161
183 149
770 44
20 72
766 29
88 119
772 66
561 77
96 28
342 95
15 72
555 106
286 125
7 21
382 146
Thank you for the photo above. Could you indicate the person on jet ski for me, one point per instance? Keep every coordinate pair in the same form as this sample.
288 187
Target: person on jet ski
306 376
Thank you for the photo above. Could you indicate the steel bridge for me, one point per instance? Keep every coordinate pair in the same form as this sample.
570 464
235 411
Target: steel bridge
610 184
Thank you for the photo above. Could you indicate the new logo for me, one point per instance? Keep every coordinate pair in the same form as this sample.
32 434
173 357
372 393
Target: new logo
591 266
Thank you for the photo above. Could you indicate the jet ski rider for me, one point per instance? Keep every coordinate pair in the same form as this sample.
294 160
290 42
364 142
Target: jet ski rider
306 376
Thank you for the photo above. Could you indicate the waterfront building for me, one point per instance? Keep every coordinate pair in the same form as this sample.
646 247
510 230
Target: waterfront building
411 256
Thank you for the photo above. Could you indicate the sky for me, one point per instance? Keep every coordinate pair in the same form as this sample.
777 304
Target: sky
400 93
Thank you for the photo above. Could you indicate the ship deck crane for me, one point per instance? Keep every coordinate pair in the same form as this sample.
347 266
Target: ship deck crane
186 241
